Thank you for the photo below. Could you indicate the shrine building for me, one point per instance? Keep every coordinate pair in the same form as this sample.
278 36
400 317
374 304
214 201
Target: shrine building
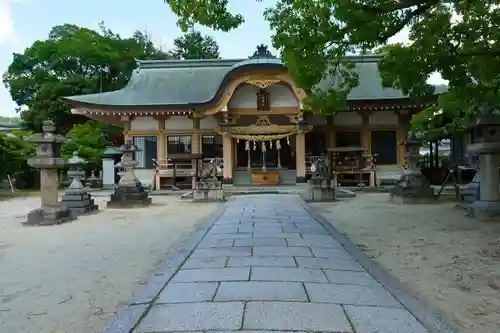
248 113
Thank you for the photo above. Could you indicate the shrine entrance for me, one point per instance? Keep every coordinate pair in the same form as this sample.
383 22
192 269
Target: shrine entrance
278 154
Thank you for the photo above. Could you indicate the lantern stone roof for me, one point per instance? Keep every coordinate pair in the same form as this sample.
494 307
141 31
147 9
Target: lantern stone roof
197 83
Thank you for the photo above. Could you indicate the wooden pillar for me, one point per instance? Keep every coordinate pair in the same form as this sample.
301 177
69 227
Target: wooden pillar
330 130
227 155
196 137
365 133
402 132
160 147
300 156
125 120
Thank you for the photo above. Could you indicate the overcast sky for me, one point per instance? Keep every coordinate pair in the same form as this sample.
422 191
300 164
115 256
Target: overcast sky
24 21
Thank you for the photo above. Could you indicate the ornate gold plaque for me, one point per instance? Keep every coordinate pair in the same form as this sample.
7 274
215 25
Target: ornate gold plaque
263 83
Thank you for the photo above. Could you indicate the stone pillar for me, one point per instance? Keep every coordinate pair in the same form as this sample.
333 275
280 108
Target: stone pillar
489 163
300 157
49 162
108 172
487 147
227 155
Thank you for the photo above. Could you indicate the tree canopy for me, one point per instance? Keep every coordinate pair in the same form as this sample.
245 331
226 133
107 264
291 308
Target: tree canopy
87 140
458 39
14 151
75 60
193 45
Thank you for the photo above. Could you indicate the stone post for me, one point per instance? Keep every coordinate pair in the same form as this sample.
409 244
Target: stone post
487 147
48 161
76 197
412 187
129 193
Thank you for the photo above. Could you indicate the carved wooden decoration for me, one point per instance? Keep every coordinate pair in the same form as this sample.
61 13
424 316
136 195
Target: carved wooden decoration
263 121
262 84
263 100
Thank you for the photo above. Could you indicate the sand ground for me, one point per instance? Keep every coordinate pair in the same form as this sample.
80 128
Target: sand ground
72 277
448 260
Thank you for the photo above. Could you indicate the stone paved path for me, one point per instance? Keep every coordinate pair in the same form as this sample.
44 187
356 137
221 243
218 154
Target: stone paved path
265 265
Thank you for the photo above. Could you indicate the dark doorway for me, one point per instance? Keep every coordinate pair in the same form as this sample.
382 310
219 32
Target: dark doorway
271 154
384 146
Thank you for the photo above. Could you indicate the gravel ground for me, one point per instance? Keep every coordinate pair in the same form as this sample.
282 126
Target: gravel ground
72 277
449 261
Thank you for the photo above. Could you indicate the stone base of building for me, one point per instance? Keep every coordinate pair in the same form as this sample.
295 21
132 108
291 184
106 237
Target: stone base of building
483 210
412 188
79 202
129 196
209 191
321 189
49 216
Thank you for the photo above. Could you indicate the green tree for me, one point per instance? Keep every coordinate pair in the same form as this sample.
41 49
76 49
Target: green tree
193 45
88 141
72 61
458 39
14 152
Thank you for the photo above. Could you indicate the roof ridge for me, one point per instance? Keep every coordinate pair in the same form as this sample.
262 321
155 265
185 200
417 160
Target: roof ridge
169 63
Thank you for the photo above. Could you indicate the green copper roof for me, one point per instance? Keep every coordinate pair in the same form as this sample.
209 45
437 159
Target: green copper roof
195 83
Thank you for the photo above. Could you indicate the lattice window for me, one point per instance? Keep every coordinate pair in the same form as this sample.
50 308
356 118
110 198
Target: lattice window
179 144
146 146
211 146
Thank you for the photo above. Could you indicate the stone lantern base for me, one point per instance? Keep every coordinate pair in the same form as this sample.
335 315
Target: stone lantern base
413 187
321 189
483 210
129 196
49 216
79 202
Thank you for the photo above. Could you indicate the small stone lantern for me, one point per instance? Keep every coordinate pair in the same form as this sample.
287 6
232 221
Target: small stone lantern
412 187
487 147
76 197
129 193
48 161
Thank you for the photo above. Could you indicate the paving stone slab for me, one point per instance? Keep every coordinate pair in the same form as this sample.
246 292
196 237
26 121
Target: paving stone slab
346 264
264 229
330 244
193 263
212 274
229 235
276 235
222 252
350 295
369 319
261 291
217 242
350 277
337 253
263 261
295 316
192 317
288 274
282 251
260 242
306 230
188 292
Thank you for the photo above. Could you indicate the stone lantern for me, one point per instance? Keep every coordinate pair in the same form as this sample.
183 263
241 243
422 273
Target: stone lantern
412 187
76 197
487 147
48 161
129 193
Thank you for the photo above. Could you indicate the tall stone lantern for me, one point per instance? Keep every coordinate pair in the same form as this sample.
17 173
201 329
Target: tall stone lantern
129 193
487 147
412 187
48 160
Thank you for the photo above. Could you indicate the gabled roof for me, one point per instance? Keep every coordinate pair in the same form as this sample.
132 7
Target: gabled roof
196 83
